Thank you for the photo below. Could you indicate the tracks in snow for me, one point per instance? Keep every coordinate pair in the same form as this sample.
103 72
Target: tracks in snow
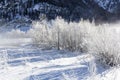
29 62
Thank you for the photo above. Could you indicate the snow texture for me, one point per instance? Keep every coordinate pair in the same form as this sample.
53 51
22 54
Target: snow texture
21 61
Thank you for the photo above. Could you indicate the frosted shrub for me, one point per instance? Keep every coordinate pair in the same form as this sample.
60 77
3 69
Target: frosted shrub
105 45
41 35
60 34
102 41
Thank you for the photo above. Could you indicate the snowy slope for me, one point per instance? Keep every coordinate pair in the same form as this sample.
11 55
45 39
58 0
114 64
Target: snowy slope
23 62
109 5
29 64
67 9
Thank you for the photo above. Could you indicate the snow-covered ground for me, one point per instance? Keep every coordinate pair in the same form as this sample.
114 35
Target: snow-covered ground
25 63
20 61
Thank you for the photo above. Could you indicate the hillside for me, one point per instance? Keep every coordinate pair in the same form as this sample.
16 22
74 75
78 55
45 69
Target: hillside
71 10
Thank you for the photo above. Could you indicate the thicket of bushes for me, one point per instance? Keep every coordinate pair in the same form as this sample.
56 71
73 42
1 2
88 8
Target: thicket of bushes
60 34
102 40
105 44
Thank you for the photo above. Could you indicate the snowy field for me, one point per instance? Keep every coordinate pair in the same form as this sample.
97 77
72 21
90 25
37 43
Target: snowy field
20 61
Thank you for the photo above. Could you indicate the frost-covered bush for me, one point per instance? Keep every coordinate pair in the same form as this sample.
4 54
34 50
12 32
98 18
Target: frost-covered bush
41 34
104 44
60 34
102 41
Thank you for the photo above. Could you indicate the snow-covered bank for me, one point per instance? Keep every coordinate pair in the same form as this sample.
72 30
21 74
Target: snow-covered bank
33 63
28 63
20 60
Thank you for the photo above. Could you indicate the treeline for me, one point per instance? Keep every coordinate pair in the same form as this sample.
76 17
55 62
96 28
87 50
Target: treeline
71 10
11 9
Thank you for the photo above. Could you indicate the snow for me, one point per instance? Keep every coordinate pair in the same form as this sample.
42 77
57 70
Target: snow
26 63
43 66
20 61
36 7
109 5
